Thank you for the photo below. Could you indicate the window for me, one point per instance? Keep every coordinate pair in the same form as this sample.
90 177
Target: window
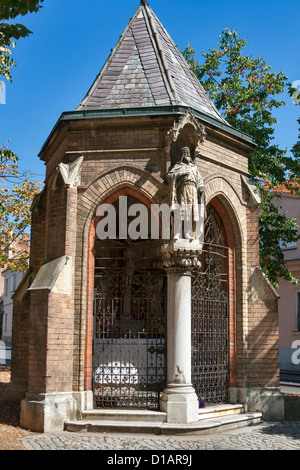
6 287
298 312
13 282
288 246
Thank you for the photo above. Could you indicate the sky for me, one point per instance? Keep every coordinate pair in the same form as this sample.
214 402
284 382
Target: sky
72 40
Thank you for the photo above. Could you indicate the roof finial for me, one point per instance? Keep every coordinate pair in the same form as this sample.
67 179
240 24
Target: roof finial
144 2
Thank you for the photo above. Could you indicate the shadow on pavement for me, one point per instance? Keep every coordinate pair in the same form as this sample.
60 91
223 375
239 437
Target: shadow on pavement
286 428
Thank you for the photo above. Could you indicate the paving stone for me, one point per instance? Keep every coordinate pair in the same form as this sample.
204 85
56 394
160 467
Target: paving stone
266 436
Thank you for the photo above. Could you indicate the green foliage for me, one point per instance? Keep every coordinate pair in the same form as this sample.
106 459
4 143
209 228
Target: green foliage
7 155
10 10
296 147
17 190
246 92
275 227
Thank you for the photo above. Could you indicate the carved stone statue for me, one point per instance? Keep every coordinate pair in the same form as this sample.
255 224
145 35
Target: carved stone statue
187 194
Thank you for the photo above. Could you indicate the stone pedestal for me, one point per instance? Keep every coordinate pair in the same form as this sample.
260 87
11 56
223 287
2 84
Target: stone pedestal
179 399
268 400
47 412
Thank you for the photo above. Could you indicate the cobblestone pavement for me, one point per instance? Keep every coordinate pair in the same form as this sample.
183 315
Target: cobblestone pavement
265 436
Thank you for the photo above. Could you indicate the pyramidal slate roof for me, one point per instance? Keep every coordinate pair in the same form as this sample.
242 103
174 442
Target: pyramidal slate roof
146 69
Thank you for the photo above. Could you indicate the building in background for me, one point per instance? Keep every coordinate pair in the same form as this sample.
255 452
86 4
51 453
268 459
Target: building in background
289 302
9 281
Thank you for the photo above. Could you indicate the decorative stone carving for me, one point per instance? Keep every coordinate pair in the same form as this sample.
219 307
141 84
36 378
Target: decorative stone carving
70 173
177 259
188 124
179 377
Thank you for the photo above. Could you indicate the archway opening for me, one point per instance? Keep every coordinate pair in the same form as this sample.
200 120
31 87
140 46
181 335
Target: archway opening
210 314
129 357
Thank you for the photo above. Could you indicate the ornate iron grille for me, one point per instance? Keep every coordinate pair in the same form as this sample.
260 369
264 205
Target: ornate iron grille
129 314
210 316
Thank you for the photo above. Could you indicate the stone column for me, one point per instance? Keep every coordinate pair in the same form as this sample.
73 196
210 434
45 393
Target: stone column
179 399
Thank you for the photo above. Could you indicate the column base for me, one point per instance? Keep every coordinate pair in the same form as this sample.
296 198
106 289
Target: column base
47 412
180 402
266 400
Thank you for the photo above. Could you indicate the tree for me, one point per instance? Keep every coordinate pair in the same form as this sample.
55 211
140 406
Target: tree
16 194
296 147
246 92
17 189
9 11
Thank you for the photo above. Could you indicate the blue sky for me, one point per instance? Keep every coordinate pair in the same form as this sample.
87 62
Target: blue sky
72 39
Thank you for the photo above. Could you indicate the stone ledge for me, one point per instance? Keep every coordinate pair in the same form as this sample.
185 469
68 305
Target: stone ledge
123 415
196 428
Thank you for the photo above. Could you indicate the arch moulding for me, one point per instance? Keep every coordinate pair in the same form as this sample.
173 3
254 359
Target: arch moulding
219 187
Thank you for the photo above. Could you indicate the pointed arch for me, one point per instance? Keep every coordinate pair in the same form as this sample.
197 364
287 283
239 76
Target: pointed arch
223 197
105 188
218 187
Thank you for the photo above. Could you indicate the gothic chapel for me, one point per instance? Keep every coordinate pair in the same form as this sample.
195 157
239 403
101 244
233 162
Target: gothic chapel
168 330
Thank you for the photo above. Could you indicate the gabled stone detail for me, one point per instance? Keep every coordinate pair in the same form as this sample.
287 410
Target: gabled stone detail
261 288
252 190
54 276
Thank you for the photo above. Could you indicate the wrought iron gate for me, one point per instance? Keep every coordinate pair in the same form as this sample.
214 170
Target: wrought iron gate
129 315
210 316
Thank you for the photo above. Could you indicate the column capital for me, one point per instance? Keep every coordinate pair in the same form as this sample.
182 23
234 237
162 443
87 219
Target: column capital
180 258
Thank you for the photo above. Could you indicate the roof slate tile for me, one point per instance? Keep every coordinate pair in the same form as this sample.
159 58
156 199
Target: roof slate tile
147 69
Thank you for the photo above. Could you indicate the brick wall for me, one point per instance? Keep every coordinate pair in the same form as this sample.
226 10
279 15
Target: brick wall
20 340
263 344
51 343
56 220
38 233
263 331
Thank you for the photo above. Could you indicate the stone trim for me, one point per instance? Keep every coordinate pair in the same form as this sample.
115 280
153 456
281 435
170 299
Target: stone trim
261 288
218 186
120 172
252 190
